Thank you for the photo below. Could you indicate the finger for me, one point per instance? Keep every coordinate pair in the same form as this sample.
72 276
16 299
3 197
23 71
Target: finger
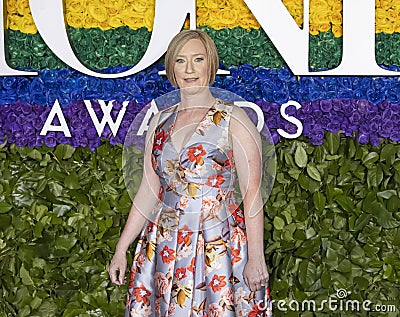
113 275
122 275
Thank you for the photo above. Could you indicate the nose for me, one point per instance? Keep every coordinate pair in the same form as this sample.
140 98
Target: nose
189 67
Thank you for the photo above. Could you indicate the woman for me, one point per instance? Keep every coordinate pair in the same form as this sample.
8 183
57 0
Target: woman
198 253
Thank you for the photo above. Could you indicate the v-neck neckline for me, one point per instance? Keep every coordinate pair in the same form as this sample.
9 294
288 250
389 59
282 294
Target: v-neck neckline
190 134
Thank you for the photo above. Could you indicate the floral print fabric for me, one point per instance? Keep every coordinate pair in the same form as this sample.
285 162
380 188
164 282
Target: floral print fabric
191 253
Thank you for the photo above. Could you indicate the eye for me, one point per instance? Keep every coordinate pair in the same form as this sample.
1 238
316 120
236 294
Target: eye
179 60
199 59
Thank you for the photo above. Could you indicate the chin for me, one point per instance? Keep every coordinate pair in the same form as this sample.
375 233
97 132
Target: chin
190 90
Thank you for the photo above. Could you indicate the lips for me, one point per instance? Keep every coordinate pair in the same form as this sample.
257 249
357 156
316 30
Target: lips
189 80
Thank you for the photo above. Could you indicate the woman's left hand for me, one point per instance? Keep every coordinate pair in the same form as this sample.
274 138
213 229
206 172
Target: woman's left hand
255 273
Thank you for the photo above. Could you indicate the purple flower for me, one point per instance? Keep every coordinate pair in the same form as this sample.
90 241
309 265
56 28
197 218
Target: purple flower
325 105
374 139
50 139
386 129
363 138
317 135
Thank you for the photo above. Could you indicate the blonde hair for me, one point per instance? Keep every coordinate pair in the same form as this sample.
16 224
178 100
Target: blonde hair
179 41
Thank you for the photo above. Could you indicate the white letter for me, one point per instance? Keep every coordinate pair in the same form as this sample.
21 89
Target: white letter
366 305
6 70
281 305
114 126
63 127
145 123
293 120
169 17
257 110
293 43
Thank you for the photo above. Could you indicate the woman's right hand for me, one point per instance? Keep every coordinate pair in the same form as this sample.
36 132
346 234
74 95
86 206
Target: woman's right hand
117 268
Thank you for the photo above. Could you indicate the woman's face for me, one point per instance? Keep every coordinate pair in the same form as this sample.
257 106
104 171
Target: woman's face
191 65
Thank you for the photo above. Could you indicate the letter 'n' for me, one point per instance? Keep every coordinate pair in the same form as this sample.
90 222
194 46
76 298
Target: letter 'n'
293 43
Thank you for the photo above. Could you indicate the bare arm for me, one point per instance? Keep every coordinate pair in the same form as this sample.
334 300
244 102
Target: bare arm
143 203
247 153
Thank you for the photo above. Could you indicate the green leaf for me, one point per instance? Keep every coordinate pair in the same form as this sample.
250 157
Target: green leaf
4 207
279 223
387 152
313 173
300 157
345 202
370 158
319 201
333 140
35 154
361 282
361 221
307 274
26 278
386 194
72 181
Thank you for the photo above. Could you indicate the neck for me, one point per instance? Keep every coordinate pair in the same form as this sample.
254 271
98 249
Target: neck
202 98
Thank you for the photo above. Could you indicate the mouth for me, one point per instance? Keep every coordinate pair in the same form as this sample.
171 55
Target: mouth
191 80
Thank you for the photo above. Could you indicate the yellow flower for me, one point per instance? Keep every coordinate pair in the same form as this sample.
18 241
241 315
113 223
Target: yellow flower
384 4
142 6
295 8
337 30
90 22
115 4
104 25
11 24
75 20
325 27
314 29
115 21
228 16
134 21
97 12
336 18
149 20
210 4
11 7
76 6
393 15
23 7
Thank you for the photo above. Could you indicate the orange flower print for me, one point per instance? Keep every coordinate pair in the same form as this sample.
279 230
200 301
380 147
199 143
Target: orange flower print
141 294
217 283
150 227
167 255
216 310
196 153
132 277
171 309
180 273
238 236
230 161
256 311
184 235
215 180
236 212
192 266
154 162
161 136
235 255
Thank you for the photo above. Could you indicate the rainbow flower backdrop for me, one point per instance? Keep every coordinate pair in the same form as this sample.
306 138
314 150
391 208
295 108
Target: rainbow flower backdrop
332 221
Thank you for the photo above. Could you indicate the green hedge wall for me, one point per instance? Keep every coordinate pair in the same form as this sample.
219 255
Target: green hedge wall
332 222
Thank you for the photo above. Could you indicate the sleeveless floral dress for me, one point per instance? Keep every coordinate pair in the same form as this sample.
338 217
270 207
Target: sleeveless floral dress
191 254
